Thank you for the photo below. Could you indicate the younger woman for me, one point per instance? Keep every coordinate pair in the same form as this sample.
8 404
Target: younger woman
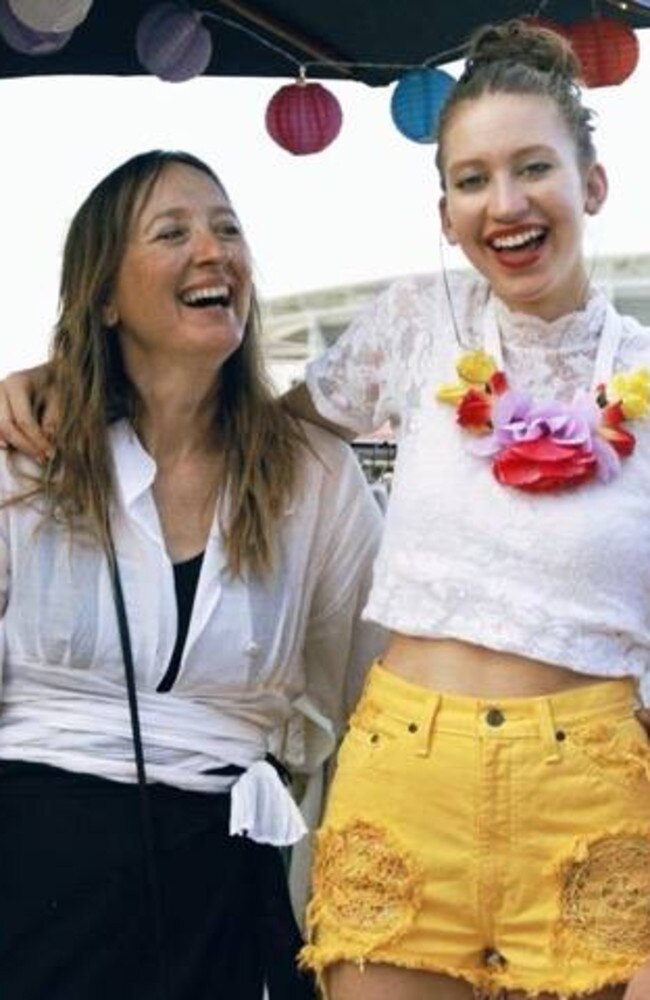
489 823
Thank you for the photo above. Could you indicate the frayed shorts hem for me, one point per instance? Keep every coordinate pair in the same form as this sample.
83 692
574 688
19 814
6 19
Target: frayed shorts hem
320 959
486 986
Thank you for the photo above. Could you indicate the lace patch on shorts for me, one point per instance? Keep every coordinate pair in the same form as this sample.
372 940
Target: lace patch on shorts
605 897
365 882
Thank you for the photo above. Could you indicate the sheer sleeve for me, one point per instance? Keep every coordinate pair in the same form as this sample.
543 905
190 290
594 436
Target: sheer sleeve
357 382
339 644
339 647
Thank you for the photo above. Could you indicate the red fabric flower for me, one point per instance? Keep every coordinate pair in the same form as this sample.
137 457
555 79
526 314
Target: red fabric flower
621 440
474 411
544 464
612 414
498 383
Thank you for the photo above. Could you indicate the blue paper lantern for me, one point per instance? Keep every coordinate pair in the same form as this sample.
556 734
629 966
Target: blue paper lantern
417 101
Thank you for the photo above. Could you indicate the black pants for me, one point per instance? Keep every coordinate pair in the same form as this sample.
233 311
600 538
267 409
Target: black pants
76 919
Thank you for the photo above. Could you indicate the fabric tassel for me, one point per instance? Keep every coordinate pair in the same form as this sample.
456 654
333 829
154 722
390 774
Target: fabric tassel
262 808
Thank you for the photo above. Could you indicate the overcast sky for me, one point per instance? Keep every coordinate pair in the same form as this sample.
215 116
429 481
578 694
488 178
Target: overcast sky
363 209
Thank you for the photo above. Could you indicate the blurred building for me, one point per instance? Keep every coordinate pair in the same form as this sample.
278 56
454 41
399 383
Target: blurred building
298 327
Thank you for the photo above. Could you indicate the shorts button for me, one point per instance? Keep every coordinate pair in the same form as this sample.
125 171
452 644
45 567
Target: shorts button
374 738
495 717
494 959
413 727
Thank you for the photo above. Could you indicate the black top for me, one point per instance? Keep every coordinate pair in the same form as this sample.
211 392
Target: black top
186 578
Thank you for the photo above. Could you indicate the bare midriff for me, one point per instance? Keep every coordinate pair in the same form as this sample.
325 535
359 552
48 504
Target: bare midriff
461 668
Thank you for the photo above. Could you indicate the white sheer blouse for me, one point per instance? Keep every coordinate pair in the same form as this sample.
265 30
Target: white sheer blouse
561 577
268 664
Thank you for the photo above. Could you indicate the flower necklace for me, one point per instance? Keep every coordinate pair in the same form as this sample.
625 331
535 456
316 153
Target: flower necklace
552 445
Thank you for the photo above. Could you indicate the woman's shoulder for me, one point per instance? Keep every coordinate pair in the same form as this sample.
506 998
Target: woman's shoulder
19 475
426 309
15 471
331 469
325 453
635 344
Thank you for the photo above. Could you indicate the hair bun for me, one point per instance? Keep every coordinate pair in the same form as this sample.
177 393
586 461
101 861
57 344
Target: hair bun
526 44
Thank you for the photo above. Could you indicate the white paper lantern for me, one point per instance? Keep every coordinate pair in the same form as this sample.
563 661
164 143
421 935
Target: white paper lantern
27 41
51 15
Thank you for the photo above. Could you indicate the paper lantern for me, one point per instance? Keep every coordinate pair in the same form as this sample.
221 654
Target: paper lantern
23 39
303 117
50 15
608 50
417 101
173 43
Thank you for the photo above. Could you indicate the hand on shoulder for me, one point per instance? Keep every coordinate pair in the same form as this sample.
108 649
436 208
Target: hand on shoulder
21 427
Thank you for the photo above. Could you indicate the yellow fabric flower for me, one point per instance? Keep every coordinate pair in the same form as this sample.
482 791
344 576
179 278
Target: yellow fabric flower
451 392
476 367
632 389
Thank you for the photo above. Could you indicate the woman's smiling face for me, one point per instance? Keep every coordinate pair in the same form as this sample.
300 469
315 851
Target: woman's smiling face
515 200
184 284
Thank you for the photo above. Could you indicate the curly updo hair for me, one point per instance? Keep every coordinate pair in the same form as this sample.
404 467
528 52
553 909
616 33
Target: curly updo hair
521 58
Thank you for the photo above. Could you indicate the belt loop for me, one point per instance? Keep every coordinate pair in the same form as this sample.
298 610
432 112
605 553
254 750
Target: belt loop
547 730
425 732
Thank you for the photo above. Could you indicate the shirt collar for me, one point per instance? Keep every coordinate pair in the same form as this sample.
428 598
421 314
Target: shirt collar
135 469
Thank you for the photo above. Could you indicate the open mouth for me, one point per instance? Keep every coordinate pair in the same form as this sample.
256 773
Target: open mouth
524 240
204 298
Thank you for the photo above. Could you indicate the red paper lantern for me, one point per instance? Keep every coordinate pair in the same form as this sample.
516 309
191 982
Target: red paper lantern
608 50
303 117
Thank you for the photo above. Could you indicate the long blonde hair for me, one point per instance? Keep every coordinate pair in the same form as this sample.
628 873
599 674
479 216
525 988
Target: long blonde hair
258 440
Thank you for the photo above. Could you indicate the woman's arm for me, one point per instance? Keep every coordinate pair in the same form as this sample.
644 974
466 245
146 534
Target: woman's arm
20 426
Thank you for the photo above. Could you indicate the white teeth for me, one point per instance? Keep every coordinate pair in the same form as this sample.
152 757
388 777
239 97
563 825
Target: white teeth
217 294
518 240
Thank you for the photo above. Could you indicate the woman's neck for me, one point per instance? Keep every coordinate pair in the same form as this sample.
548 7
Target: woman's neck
175 414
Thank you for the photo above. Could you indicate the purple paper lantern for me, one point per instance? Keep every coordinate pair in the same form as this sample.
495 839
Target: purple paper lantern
173 43
26 40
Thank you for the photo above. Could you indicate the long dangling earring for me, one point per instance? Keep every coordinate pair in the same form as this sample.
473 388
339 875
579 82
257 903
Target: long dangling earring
447 287
593 255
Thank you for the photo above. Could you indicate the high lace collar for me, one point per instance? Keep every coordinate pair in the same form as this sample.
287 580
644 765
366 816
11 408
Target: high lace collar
551 360
576 331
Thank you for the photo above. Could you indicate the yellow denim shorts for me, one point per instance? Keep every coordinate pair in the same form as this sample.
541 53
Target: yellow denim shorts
504 842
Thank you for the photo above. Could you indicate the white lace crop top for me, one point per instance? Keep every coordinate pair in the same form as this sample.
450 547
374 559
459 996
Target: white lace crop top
562 577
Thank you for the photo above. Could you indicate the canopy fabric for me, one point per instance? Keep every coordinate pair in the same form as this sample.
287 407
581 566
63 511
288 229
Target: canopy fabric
326 35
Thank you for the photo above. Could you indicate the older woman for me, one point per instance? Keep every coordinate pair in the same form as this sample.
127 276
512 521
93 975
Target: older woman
180 587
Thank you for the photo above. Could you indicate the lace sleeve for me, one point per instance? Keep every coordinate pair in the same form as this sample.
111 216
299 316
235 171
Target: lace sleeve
353 383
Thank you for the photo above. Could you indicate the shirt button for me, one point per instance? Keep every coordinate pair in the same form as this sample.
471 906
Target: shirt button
495 717
252 649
